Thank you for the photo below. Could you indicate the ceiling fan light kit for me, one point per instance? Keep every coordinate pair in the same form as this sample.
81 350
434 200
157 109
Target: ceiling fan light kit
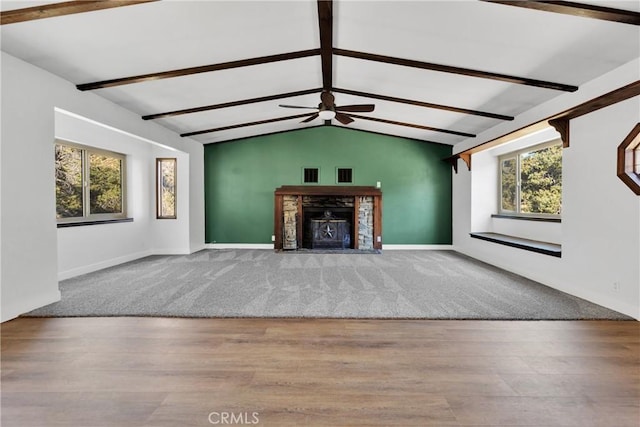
327 114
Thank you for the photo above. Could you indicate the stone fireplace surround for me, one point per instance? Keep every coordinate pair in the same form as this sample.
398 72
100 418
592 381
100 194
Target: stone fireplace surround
363 203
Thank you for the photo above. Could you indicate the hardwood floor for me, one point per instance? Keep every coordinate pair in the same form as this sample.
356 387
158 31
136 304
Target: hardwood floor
274 372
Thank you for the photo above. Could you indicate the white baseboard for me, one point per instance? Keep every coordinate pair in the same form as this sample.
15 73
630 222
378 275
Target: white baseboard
198 247
417 247
270 246
62 275
238 246
184 251
597 298
39 300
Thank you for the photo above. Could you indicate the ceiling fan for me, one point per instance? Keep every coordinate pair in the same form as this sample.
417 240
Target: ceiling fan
328 110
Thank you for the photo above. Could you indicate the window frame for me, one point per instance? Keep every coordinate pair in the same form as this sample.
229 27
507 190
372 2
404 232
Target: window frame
628 167
159 215
87 217
517 156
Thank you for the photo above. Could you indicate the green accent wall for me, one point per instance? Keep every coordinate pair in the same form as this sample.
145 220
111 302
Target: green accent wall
241 176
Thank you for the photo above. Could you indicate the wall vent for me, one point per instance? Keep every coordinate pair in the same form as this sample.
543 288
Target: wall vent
345 175
310 175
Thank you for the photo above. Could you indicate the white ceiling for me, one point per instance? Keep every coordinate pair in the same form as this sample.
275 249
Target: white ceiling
170 35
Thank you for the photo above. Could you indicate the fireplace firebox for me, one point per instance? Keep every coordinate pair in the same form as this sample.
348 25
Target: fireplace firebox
329 232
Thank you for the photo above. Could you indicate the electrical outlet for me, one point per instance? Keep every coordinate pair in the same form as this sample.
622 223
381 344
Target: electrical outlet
273 238
379 239
378 184
616 286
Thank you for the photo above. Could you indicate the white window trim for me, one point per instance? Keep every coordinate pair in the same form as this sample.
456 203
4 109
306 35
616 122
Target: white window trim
86 215
516 155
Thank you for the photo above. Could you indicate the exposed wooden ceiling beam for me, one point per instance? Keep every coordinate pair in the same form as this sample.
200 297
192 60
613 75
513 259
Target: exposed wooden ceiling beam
412 125
299 116
423 104
230 104
226 141
241 125
317 90
455 70
325 22
196 70
578 9
561 121
355 129
618 95
621 94
61 9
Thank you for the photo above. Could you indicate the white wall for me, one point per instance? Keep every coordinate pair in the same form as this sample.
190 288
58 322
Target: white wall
90 248
172 236
600 230
601 233
29 247
195 172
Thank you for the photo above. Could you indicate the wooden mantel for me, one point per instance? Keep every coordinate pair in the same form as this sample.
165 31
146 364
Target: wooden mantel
327 190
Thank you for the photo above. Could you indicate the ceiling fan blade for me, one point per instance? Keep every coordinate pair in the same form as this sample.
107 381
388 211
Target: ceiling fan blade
297 106
360 108
343 118
311 117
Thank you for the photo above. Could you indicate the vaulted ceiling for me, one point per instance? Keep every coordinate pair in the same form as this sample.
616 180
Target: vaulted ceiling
440 71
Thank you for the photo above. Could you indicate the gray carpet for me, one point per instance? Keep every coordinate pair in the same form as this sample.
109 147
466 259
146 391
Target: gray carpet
263 283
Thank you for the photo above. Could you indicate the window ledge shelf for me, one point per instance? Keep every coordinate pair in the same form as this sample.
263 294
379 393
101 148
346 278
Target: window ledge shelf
96 222
526 218
544 248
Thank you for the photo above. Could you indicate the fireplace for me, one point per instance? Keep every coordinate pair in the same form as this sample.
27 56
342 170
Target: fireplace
328 217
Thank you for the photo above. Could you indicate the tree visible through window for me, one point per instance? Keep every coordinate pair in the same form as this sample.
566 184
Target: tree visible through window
68 182
89 183
105 189
509 172
531 181
166 188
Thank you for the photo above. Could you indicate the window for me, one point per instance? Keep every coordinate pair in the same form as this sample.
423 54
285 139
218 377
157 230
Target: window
628 169
531 181
310 175
89 183
166 188
344 175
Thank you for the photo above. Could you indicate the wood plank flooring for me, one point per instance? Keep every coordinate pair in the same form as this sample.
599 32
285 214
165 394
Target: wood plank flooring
137 372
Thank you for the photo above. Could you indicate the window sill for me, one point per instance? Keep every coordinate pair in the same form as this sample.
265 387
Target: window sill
95 222
527 218
544 248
